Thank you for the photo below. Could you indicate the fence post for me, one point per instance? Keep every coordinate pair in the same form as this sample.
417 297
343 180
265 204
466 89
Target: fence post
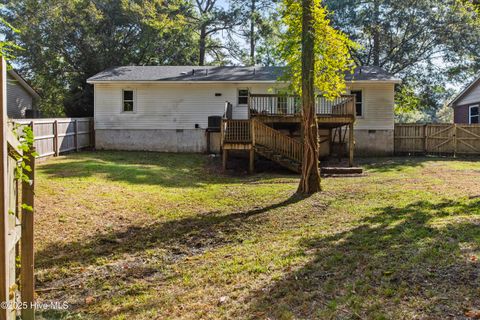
27 279
91 130
55 138
4 274
455 140
32 127
77 148
425 138
251 165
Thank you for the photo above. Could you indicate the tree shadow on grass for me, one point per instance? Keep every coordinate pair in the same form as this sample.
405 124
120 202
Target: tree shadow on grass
403 263
148 168
389 164
179 237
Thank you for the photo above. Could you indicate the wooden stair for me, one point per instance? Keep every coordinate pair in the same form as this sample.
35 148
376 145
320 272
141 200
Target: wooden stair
278 158
257 137
276 146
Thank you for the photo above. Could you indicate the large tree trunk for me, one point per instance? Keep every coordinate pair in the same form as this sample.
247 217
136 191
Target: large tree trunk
252 33
310 180
202 45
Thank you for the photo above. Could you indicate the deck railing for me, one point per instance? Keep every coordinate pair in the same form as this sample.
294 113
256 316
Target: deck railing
236 131
341 106
280 105
266 136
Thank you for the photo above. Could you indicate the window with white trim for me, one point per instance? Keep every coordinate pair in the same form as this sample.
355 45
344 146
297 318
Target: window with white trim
242 97
474 114
128 101
358 102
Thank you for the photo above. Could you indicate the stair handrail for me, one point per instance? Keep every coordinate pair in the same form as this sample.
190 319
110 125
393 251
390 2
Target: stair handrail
277 141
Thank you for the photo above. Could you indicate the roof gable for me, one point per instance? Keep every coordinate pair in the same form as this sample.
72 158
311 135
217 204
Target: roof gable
22 82
467 90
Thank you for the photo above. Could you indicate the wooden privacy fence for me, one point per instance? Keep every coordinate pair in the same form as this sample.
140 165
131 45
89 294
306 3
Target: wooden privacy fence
16 220
54 136
437 139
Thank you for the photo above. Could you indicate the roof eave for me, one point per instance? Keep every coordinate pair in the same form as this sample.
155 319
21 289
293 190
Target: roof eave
392 81
464 91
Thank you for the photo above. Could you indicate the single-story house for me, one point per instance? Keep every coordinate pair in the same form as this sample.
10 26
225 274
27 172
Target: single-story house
466 105
21 97
167 108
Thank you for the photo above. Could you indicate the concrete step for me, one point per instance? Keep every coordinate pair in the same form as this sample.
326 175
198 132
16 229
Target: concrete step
341 170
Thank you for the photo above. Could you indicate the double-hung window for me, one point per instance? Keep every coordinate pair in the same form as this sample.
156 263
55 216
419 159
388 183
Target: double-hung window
474 114
128 102
358 102
242 97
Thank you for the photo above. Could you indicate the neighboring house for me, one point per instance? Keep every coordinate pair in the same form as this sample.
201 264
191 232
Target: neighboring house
162 108
466 105
20 96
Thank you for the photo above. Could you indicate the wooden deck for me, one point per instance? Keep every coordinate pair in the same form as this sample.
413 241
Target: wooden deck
325 121
257 135
271 108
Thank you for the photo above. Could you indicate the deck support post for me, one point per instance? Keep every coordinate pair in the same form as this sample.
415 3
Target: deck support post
224 159
251 164
351 144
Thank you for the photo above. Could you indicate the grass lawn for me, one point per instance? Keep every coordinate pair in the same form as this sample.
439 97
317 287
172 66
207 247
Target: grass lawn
144 236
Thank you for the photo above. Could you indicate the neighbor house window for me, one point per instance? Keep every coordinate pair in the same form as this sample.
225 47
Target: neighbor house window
474 114
128 100
358 102
243 97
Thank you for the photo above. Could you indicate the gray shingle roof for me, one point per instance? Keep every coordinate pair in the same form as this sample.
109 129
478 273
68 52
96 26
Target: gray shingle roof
217 73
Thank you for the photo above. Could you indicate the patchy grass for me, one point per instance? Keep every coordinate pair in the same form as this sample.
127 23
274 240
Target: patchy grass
143 235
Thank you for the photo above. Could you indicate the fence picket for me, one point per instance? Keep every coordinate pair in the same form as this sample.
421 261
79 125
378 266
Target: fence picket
437 139
55 136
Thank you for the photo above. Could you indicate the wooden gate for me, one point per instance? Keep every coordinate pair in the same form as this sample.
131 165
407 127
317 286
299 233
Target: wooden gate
440 138
16 220
467 139
437 139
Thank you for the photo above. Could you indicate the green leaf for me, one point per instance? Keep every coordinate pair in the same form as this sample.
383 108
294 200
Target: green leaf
27 207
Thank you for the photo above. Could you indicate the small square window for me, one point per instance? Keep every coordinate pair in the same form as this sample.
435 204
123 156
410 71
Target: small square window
128 100
243 97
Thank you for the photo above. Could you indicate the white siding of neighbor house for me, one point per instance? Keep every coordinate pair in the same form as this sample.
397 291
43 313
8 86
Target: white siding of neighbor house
378 106
18 99
182 105
473 96
168 106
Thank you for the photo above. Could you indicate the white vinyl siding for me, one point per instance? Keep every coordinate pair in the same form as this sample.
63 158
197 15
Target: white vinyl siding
168 106
378 106
18 99
183 105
